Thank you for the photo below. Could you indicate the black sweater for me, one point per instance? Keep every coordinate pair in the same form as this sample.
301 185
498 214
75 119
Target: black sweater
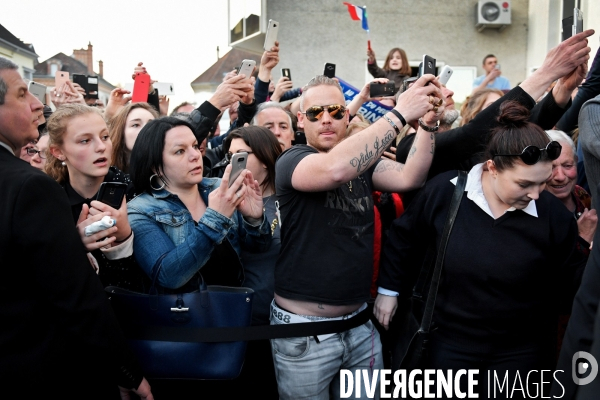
462 147
500 277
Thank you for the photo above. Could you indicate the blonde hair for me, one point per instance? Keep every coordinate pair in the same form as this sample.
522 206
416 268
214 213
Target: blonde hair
57 127
474 104
356 126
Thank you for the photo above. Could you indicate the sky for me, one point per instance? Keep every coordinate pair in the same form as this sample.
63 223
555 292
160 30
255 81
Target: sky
175 39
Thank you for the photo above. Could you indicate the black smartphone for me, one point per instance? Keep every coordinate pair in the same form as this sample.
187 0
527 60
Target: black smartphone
429 65
81 80
567 28
238 164
88 83
112 193
377 89
329 70
286 72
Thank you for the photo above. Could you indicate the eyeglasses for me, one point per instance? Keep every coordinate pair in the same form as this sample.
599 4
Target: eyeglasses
32 152
230 154
336 111
531 154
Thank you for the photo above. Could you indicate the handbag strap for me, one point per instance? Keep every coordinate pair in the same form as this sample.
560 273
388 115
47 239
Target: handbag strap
437 272
238 334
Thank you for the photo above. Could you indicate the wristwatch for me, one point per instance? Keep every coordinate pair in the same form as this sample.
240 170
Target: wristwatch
428 128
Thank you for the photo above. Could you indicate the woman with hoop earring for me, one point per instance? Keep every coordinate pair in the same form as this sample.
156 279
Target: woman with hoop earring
187 224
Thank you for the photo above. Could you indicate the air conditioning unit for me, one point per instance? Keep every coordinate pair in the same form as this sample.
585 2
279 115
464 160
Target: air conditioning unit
492 14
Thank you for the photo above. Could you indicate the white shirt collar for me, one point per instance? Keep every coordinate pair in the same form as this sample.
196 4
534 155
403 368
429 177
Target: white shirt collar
474 189
7 147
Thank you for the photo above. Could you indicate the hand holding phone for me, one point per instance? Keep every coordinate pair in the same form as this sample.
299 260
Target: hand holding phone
285 72
112 194
61 79
238 164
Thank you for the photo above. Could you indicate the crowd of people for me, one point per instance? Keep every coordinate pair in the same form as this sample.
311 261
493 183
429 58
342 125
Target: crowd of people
333 217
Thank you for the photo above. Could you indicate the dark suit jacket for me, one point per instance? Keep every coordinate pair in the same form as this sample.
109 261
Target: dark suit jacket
58 334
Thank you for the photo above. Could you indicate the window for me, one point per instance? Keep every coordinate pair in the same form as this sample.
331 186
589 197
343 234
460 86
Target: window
244 18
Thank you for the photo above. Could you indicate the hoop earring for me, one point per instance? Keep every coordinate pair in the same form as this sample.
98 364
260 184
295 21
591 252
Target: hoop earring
157 177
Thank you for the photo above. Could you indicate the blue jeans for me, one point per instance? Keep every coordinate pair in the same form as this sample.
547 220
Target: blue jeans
307 369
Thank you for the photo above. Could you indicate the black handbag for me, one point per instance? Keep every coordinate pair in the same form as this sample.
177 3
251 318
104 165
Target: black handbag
416 353
158 325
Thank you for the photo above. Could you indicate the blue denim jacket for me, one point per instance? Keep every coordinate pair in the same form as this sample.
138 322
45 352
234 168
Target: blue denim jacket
166 233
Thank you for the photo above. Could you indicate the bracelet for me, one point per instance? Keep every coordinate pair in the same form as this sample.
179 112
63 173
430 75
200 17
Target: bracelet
392 124
399 116
427 127
124 240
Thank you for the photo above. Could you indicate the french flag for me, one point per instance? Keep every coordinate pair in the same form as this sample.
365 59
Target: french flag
358 13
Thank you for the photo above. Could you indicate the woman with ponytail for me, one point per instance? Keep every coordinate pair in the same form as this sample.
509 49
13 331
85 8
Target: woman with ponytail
510 261
80 161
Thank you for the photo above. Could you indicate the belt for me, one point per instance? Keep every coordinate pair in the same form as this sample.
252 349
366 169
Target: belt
286 317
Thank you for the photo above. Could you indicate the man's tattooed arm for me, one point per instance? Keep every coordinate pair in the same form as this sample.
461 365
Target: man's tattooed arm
365 159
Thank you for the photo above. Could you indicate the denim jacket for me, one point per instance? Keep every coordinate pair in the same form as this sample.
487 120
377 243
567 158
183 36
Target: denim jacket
165 233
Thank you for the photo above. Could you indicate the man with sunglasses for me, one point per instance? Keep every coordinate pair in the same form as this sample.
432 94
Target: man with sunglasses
325 265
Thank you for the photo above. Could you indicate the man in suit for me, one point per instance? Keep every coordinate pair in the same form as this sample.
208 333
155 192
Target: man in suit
58 334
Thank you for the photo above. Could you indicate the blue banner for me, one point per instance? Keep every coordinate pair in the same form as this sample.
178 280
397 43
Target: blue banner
371 110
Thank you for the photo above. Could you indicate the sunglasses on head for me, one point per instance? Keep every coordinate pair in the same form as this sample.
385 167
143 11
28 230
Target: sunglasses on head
336 111
532 154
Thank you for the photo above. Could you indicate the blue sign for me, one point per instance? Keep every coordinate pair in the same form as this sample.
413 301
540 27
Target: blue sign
371 110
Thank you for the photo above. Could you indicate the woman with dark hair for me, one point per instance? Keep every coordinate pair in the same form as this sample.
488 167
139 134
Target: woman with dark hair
509 261
184 223
124 129
395 68
263 148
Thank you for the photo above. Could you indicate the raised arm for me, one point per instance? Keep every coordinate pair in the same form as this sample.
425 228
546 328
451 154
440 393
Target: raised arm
354 155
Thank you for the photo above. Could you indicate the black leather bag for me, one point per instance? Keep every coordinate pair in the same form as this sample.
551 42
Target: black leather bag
416 353
184 335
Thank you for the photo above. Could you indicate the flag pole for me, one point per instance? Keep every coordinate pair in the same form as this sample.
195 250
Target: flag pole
368 30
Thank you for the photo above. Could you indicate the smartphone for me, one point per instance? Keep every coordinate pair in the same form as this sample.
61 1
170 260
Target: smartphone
377 89
88 83
286 73
92 87
60 79
164 88
329 70
271 36
141 86
445 75
38 90
81 80
247 68
428 65
577 21
112 193
238 164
